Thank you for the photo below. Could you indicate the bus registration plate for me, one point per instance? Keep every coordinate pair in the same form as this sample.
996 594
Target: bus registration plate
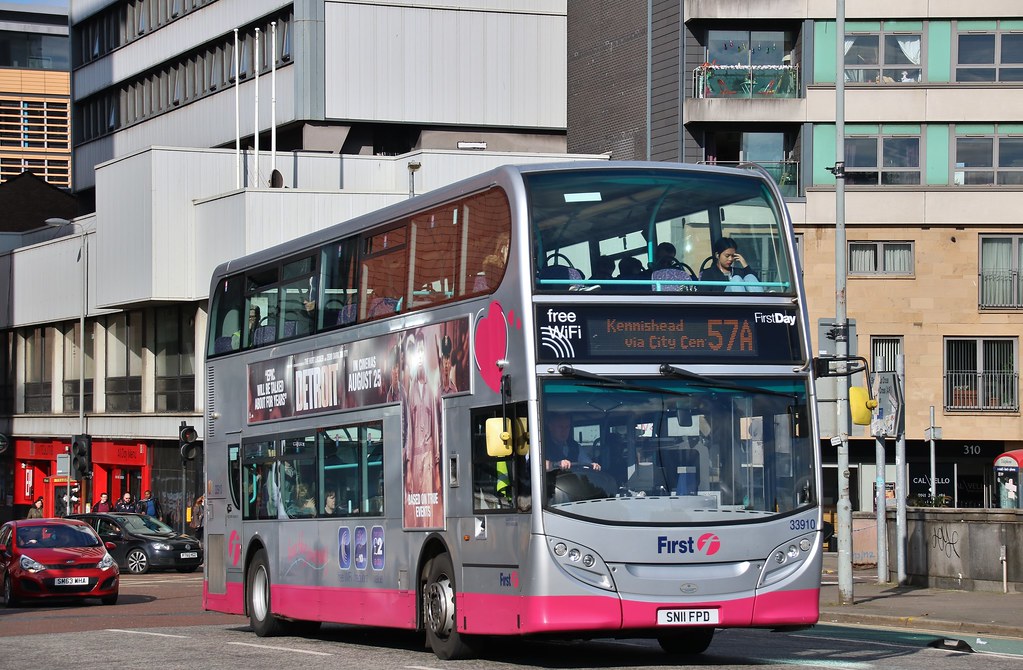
70 581
687 617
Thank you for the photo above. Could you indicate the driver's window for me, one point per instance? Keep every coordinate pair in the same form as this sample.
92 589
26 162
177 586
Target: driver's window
107 527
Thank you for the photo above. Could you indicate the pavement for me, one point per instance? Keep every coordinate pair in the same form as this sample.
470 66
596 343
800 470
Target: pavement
964 613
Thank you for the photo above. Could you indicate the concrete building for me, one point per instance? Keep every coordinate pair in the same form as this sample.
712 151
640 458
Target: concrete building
181 127
35 95
934 174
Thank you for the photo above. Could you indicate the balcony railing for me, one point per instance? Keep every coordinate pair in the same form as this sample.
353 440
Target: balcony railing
982 391
746 81
785 173
999 288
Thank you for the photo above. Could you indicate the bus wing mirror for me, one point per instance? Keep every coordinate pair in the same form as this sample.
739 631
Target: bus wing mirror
861 405
502 439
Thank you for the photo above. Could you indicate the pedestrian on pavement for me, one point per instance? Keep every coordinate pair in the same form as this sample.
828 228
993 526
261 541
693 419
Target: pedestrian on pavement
151 506
125 504
37 509
199 516
103 506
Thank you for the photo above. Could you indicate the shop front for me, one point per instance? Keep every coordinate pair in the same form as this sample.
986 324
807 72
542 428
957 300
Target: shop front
117 467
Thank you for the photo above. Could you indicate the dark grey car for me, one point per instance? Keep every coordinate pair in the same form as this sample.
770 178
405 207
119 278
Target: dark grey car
144 543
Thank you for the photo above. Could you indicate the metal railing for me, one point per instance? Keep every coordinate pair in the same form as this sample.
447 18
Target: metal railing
746 81
982 391
999 288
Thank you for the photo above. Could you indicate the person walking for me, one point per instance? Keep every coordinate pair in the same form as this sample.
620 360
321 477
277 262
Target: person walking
125 504
199 516
103 506
37 509
150 505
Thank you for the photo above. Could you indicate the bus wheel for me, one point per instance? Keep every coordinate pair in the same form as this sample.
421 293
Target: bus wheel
262 620
687 642
439 612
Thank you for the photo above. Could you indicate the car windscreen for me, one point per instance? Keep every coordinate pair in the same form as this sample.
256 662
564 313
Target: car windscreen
52 537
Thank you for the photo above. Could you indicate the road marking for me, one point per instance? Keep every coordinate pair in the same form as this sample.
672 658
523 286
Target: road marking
143 632
288 649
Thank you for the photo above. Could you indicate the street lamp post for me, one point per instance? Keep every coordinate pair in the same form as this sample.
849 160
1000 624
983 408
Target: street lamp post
83 258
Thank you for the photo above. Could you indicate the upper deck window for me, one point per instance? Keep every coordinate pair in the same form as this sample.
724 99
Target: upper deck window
643 230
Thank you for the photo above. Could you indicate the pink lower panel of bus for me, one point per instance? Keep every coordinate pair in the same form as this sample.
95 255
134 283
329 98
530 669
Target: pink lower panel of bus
230 602
579 613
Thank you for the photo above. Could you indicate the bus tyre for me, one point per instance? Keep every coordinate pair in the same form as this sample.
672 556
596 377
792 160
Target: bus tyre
439 612
261 617
687 642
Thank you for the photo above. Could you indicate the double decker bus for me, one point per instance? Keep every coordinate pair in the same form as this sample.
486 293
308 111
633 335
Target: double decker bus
500 409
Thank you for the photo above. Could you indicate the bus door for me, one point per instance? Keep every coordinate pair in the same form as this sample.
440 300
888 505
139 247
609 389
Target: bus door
223 515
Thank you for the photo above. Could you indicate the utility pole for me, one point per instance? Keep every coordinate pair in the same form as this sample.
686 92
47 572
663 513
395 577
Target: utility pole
901 490
880 502
844 506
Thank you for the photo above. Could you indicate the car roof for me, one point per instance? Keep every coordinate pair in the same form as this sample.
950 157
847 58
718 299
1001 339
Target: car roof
24 523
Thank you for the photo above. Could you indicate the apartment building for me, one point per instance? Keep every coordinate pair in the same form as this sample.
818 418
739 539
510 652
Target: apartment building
35 93
204 130
933 172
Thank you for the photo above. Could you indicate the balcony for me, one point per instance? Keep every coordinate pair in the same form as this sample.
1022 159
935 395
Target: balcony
746 81
785 173
999 289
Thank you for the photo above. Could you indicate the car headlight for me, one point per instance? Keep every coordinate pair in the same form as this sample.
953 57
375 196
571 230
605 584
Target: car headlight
31 565
106 562
161 546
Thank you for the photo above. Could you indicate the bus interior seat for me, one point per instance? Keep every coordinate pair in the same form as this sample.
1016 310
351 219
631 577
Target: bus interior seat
222 344
671 274
290 328
346 314
479 283
264 335
383 306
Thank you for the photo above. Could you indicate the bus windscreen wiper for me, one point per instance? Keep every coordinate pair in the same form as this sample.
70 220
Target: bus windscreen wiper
669 370
602 381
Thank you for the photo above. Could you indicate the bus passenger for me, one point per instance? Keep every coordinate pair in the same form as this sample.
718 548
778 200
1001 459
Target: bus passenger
631 268
725 268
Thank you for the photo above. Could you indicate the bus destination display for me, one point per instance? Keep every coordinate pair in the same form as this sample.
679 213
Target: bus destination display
711 334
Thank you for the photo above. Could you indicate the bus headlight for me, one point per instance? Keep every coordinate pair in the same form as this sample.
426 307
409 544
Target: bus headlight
581 563
786 560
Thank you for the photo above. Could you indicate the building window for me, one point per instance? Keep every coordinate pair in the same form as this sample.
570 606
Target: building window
38 364
882 56
885 158
72 372
7 371
881 258
987 155
883 352
174 353
1000 260
124 362
981 374
984 55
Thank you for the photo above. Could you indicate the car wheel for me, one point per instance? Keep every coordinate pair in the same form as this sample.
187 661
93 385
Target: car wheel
440 612
109 600
261 617
138 562
9 598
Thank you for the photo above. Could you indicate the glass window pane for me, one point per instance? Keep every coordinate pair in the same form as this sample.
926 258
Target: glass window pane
901 151
1011 74
976 49
1010 152
862 257
974 151
898 257
889 178
1012 48
861 152
727 47
902 49
975 74
863 50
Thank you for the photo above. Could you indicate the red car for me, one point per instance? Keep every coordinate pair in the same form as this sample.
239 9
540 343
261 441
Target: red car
55 558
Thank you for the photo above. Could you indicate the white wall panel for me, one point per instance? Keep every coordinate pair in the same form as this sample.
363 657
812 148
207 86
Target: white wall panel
445 65
205 123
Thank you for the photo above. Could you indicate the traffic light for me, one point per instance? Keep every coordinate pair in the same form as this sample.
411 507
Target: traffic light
187 436
81 456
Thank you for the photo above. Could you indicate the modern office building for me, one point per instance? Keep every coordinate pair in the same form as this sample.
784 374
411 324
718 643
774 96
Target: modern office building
207 129
35 95
933 172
